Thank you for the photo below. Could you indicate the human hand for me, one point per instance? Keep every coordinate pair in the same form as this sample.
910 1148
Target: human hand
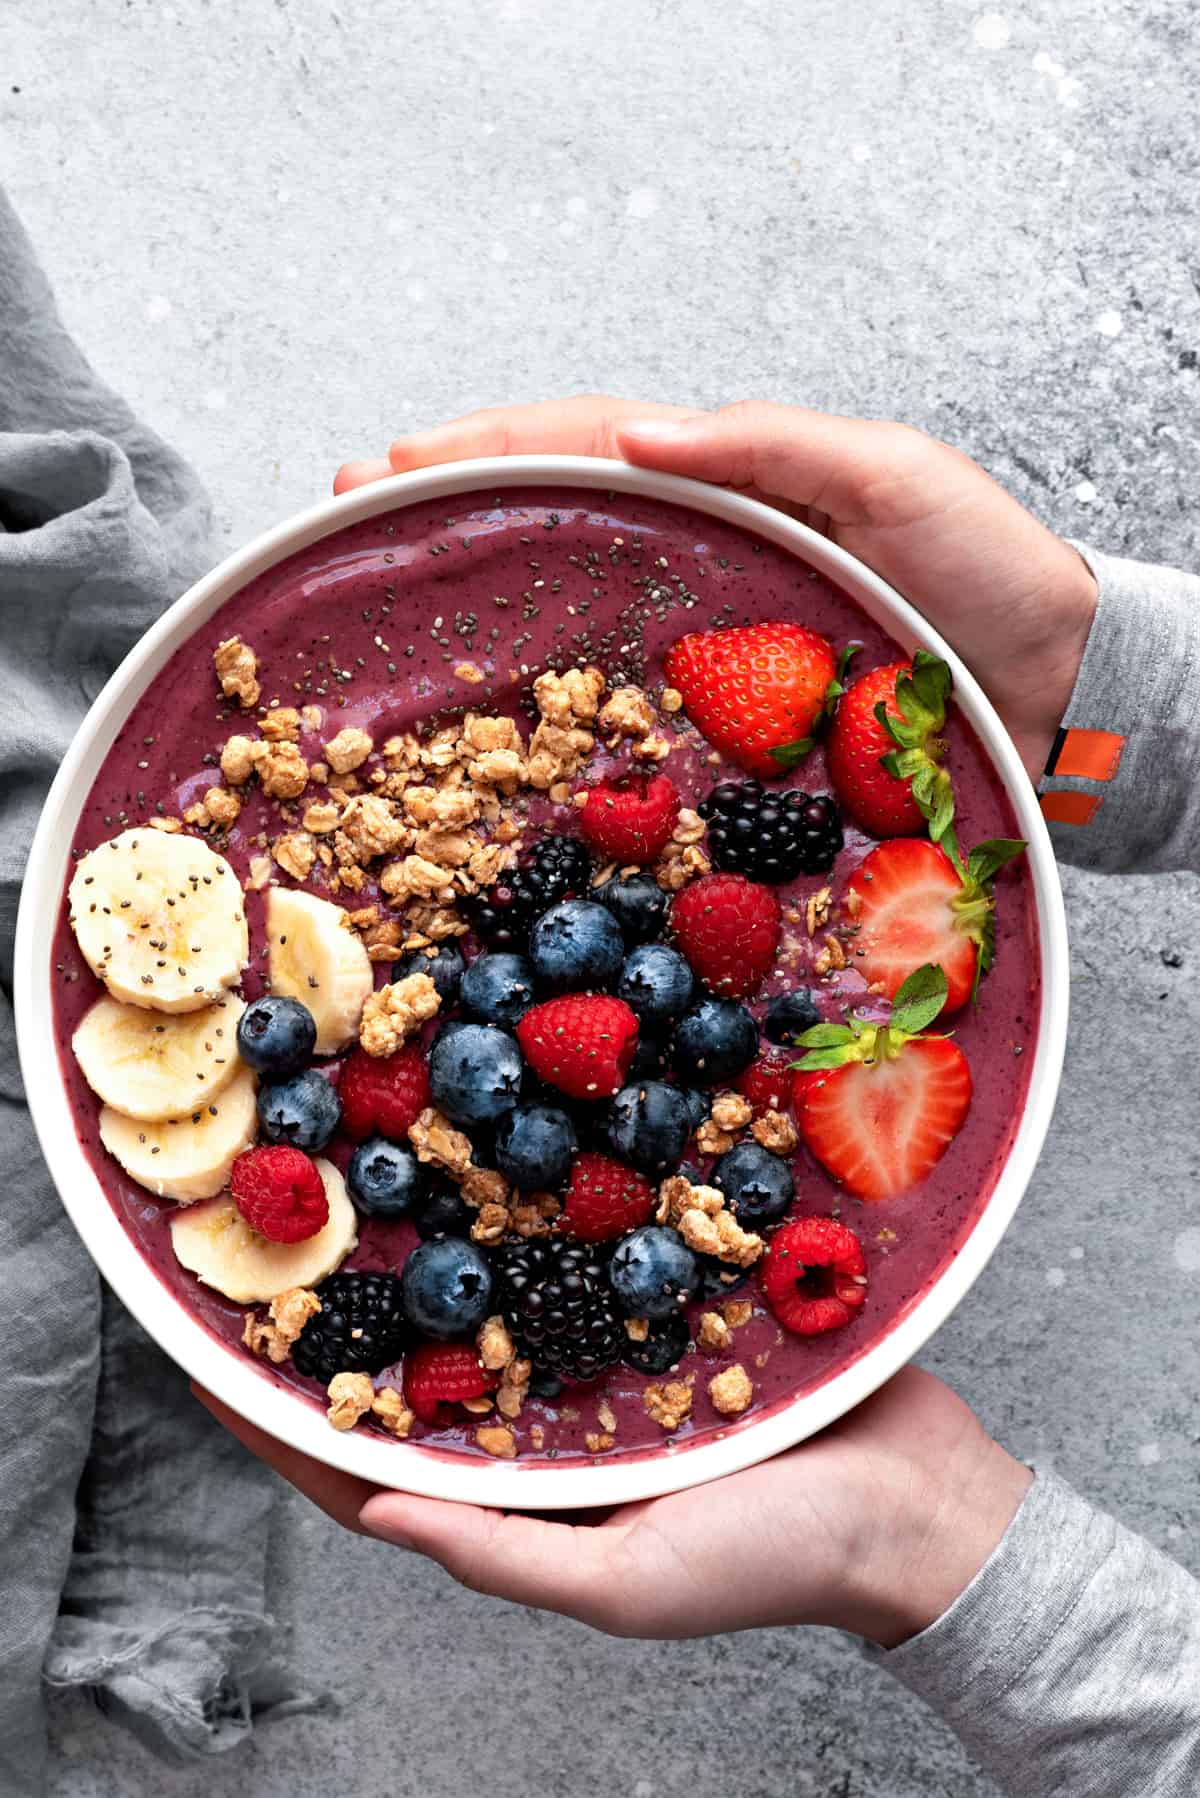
875 1527
1015 600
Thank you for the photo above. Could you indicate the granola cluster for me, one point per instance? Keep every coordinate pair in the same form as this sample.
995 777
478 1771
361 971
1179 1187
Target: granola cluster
699 1214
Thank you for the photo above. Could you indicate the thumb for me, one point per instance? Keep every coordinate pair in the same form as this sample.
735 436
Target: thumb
813 459
528 1560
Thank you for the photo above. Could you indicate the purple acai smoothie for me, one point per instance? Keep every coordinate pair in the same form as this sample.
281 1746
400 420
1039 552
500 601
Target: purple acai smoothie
440 608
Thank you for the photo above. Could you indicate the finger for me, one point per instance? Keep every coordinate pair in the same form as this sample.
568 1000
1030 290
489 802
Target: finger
527 1560
585 425
812 459
340 1495
358 474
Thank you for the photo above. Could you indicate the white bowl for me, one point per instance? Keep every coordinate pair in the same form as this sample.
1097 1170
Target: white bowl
233 1377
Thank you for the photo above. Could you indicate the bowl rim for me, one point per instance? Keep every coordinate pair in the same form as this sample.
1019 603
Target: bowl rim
292 1418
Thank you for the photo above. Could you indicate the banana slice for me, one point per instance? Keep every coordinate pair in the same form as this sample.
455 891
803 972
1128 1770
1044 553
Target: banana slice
187 1157
160 919
219 1247
155 1065
314 958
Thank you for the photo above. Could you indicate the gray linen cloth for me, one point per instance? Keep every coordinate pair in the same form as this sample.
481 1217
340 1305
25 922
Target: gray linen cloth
133 1530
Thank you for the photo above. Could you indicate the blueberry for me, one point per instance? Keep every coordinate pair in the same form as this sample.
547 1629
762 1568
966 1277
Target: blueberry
444 966
384 1180
652 1272
576 944
276 1035
534 1146
651 1057
789 1015
718 1279
699 1104
638 904
758 1186
498 988
649 1125
304 1111
474 1073
656 983
446 1287
544 1384
666 1344
715 1041
444 1213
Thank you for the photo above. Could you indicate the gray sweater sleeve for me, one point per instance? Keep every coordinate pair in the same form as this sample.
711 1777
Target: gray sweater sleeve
1071 1664
1121 788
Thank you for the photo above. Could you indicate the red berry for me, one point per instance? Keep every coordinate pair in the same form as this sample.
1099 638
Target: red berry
582 1043
604 1198
814 1275
881 1124
754 690
911 907
767 1082
383 1095
444 1373
913 696
728 928
629 819
280 1193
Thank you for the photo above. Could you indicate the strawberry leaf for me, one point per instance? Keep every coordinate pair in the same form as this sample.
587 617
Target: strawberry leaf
824 1036
790 755
919 1000
818 1059
837 685
986 859
827 1045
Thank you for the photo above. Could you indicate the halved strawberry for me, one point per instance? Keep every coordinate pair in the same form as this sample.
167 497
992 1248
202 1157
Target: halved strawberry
884 752
911 905
879 1104
755 692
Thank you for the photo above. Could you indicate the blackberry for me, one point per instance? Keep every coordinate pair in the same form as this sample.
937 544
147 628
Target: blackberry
770 836
360 1327
556 1300
555 868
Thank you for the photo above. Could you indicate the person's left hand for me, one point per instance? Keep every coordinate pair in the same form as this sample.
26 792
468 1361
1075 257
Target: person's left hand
875 1526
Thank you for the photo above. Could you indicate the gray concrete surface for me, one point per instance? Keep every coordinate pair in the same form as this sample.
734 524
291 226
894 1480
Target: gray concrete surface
287 230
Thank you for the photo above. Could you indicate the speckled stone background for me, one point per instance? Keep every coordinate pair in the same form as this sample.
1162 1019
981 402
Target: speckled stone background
288 229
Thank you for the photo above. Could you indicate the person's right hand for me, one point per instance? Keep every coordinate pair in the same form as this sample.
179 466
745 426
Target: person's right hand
1015 600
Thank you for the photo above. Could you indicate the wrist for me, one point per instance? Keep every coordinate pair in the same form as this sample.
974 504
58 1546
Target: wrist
1068 600
939 1510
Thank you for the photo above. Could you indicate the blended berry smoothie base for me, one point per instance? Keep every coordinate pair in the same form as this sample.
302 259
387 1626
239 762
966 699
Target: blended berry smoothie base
454 605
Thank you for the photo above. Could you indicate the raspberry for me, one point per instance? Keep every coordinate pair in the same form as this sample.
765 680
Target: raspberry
604 1198
628 819
728 929
383 1095
582 1043
814 1275
279 1193
767 1082
444 1373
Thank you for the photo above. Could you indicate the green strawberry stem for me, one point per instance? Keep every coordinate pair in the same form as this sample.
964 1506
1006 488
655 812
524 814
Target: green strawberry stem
975 907
921 701
916 1005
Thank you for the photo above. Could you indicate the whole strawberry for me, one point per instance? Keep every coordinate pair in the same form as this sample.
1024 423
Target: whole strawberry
883 749
581 1043
879 1104
604 1199
755 692
814 1276
444 1373
728 929
383 1095
628 819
